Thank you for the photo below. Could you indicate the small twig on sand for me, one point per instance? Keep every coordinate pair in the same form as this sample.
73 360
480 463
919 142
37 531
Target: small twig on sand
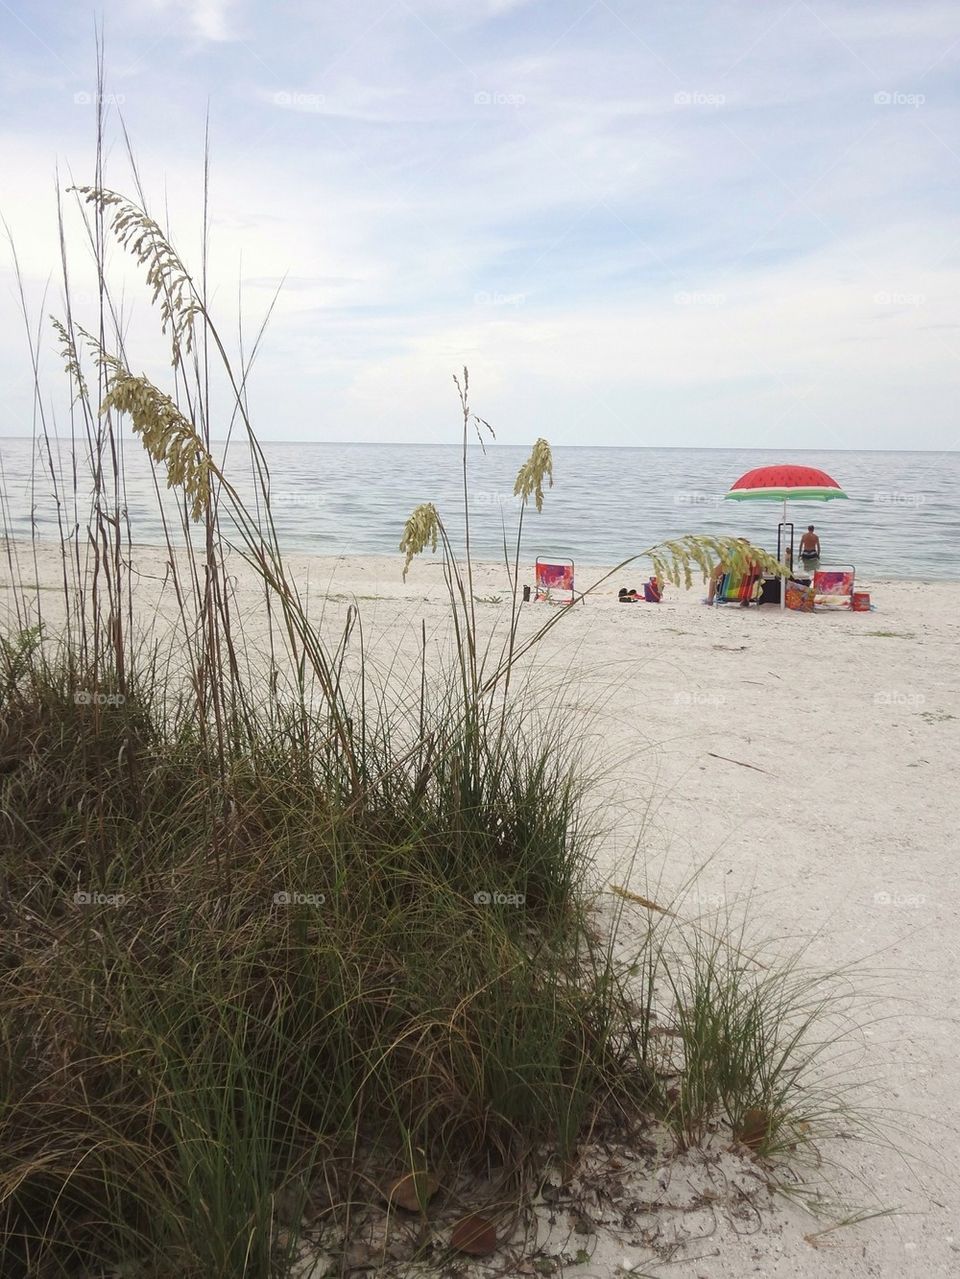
756 768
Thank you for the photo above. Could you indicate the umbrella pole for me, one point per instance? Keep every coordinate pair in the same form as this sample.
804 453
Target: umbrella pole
783 580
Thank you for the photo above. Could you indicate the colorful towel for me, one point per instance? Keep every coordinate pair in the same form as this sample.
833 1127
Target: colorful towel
737 588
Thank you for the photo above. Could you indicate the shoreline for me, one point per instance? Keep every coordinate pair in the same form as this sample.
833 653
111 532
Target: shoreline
382 560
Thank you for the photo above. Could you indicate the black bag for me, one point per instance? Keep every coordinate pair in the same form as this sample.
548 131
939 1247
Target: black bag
769 591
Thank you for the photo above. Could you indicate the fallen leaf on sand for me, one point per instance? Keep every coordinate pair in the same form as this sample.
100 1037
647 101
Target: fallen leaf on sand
474 1235
641 901
754 1128
411 1190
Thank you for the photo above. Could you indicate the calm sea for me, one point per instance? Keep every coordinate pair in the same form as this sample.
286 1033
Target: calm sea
903 519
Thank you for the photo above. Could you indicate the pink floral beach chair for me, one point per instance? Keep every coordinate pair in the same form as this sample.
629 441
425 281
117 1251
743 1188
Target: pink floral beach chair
554 579
833 588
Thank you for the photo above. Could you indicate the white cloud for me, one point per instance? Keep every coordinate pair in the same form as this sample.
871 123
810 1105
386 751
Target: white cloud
817 347
211 18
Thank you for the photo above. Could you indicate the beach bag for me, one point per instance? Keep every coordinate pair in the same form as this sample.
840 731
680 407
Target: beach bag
799 598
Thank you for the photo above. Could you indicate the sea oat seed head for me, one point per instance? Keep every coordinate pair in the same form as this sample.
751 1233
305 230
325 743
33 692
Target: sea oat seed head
530 477
421 528
165 433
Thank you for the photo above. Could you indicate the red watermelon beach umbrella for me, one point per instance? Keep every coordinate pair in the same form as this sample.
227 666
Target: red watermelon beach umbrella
785 482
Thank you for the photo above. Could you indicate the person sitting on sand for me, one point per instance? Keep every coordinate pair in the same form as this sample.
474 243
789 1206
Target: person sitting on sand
810 548
715 575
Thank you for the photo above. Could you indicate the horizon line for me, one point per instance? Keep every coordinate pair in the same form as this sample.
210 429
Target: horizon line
664 448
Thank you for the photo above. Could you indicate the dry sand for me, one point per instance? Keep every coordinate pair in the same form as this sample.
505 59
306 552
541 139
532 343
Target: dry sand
807 762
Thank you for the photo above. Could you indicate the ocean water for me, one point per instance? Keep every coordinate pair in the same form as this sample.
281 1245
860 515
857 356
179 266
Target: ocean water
902 519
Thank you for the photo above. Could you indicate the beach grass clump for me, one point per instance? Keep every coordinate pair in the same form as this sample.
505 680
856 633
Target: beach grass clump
756 1037
202 1007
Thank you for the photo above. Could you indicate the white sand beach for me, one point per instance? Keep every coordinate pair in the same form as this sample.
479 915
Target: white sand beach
804 762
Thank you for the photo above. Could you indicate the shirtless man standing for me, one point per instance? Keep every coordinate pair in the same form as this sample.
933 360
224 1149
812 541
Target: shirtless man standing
810 548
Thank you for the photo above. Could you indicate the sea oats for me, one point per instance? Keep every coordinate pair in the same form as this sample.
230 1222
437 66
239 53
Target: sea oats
421 529
166 274
674 560
71 358
530 477
165 433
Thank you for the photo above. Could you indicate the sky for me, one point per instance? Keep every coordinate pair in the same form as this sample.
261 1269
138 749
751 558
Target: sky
671 223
